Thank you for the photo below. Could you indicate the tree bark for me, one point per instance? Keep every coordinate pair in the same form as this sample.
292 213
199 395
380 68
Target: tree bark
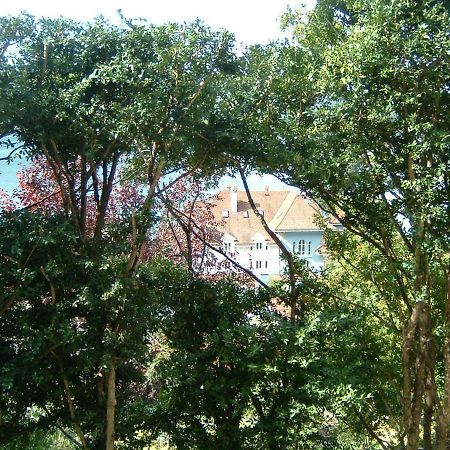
428 355
111 408
70 403
409 418
443 416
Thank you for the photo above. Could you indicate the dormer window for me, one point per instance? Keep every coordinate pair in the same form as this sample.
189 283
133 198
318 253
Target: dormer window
225 214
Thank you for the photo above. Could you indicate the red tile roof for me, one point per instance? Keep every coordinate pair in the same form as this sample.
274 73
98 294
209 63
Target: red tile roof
285 210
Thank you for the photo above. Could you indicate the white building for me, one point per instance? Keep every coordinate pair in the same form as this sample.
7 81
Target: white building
290 215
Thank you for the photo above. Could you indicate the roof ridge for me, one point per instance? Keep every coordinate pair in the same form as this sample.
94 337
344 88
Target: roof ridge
282 210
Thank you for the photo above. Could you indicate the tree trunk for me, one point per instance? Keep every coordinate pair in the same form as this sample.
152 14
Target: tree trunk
428 354
111 408
443 418
292 299
409 334
70 403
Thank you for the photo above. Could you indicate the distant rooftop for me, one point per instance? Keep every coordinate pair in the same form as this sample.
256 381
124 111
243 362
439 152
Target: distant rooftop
283 211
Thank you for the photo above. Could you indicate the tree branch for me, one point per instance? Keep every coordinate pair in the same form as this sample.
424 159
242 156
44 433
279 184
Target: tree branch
293 294
52 286
176 212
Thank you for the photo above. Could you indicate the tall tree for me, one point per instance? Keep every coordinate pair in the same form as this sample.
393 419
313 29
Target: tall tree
357 115
92 100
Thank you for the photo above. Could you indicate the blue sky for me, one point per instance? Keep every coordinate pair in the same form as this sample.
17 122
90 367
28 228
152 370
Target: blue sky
252 21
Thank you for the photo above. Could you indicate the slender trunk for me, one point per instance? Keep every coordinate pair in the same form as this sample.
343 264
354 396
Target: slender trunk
370 430
70 403
292 299
111 408
408 351
427 422
419 342
180 216
100 390
72 414
443 418
188 253
107 186
83 197
67 204
428 353
138 238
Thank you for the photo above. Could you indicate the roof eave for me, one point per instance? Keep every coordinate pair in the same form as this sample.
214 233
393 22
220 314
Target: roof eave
296 230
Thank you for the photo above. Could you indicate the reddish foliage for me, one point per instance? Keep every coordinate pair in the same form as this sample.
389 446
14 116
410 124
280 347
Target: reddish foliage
39 191
6 202
185 222
186 226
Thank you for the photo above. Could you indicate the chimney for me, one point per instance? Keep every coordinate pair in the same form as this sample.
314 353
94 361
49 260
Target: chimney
266 189
233 199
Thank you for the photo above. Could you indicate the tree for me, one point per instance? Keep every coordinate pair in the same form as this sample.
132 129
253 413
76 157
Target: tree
361 369
52 330
90 101
188 228
358 119
230 377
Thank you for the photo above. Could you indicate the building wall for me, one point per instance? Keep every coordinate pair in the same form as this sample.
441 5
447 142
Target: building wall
312 241
264 259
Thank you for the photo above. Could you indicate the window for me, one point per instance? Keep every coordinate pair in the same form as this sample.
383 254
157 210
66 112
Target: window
258 264
259 246
304 248
265 265
227 246
245 214
301 247
294 249
267 247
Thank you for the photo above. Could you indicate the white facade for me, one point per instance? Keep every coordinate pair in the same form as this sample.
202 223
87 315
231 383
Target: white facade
265 260
245 240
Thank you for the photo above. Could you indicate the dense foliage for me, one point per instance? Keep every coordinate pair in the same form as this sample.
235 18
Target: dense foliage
358 118
111 335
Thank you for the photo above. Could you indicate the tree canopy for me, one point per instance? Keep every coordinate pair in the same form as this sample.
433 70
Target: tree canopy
353 111
359 120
